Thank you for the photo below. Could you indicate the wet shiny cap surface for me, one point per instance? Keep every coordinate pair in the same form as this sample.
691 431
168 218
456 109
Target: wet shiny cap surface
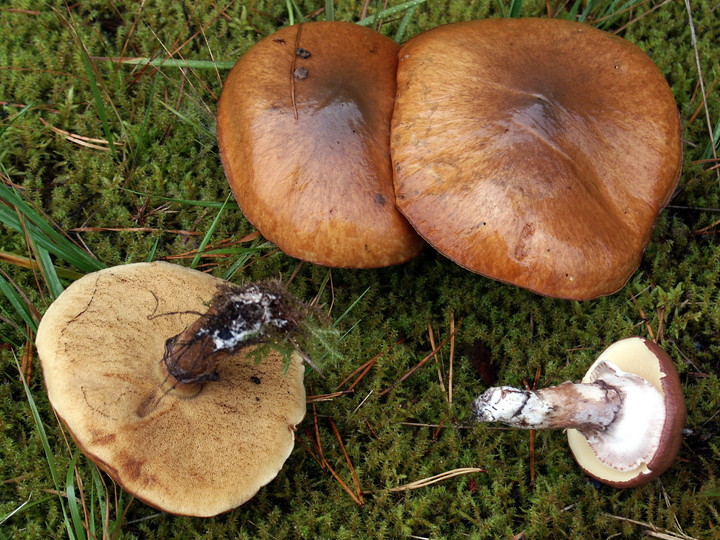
537 152
303 129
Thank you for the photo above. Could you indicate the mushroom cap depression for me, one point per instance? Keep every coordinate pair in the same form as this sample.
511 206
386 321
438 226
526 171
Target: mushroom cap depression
195 452
304 135
644 358
538 152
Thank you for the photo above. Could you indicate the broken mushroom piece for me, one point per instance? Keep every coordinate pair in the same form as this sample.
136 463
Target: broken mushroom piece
538 152
303 130
108 346
624 419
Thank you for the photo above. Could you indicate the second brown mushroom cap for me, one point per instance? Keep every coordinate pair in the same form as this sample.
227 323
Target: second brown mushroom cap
534 151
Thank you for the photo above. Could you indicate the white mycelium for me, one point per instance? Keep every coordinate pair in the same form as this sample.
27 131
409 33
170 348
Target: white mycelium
239 330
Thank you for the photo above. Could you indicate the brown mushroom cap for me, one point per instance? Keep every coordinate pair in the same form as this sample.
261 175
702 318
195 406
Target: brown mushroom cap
538 152
181 450
643 358
305 144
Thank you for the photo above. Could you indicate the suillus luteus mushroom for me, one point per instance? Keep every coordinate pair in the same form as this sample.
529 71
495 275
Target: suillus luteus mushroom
303 131
624 419
150 367
538 152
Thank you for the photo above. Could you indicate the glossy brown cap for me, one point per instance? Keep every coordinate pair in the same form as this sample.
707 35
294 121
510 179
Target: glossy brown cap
644 358
538 152
191 450
303 128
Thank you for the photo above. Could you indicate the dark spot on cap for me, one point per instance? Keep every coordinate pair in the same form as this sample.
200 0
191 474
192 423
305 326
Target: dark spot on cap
300 73
281 41
380 199
302 53
255 379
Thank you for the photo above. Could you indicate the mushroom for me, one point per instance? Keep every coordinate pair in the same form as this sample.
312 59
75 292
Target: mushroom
303 130
624 420
198 443
538 152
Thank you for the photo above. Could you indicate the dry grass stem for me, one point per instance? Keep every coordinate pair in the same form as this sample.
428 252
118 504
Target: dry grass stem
26 364
135 229
701 105
309 447
701 79
327 397
417 484
356 482
363 370
706 229
652 530
452 358
344 485
318 441
645 320
363 402
81 140
435 356
643 15
418 365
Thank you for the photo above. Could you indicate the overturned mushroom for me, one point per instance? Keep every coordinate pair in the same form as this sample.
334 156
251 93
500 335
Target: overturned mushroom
624 419
538 152
147 366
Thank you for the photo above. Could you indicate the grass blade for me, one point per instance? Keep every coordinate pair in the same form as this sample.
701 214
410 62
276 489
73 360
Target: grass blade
102 113
49 457
349 309
77 519
167 62
21 308
206 204
24 506
48 271
19 216
292 9
713 143
208 235
13 118
515 8
30 264
394 10
404 23
153 251
195 125
245 257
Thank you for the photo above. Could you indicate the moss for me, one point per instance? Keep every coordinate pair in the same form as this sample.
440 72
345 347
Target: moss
162 120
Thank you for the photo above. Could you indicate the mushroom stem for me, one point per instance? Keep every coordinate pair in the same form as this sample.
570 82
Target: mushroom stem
591 406
237 317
